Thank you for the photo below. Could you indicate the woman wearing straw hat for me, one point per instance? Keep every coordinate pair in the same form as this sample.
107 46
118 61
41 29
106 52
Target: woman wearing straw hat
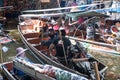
21 52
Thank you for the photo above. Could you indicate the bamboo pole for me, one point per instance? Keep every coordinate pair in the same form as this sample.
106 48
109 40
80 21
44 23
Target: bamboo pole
96 71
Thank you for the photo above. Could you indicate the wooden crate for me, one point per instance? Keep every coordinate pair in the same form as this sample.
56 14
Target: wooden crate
45 1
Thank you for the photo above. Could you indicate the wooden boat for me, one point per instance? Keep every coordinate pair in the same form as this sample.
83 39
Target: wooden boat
101 41
9 72
19 70
31 39
23 68
43 71
5 37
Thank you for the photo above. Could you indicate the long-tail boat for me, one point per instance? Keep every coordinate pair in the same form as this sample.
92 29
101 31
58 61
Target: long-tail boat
32 40
24 68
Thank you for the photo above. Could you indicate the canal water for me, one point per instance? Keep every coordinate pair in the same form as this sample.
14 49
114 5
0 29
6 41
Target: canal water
10 25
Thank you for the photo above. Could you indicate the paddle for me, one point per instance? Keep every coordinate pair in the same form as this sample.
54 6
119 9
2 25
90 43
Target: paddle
96 71
80 59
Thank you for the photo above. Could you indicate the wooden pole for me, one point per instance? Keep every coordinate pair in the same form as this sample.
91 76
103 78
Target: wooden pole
63 47
80 59
96 70
58 1
1 53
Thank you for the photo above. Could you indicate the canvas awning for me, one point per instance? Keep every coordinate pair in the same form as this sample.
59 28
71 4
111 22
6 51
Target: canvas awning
86 14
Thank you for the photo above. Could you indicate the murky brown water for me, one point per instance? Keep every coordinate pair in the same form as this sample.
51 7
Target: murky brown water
113 63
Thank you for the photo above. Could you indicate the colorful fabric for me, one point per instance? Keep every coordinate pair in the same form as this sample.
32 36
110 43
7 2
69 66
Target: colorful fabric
56 27
80 20
60 74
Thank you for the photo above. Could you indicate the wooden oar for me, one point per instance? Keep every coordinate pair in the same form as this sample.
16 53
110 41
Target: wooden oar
63 48
80 59
96 70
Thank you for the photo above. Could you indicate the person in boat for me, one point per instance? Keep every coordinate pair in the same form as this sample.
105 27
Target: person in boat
105 32
21 52
91 30
43 24
51 35
61 44
74 3
78 22
56 29
101 29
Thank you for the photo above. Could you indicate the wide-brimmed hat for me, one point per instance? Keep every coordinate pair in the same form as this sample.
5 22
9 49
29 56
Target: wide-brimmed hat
20 50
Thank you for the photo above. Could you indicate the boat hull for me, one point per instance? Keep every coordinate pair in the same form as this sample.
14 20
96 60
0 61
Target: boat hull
38 54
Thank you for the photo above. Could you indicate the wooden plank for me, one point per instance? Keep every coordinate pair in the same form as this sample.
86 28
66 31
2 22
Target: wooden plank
96 70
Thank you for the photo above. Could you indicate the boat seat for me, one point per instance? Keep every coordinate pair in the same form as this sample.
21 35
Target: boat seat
36 44
26 31
39 47
9 66
31 35
26 27
45 50
34 40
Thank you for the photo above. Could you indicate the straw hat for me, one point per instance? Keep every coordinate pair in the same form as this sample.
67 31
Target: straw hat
20 51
